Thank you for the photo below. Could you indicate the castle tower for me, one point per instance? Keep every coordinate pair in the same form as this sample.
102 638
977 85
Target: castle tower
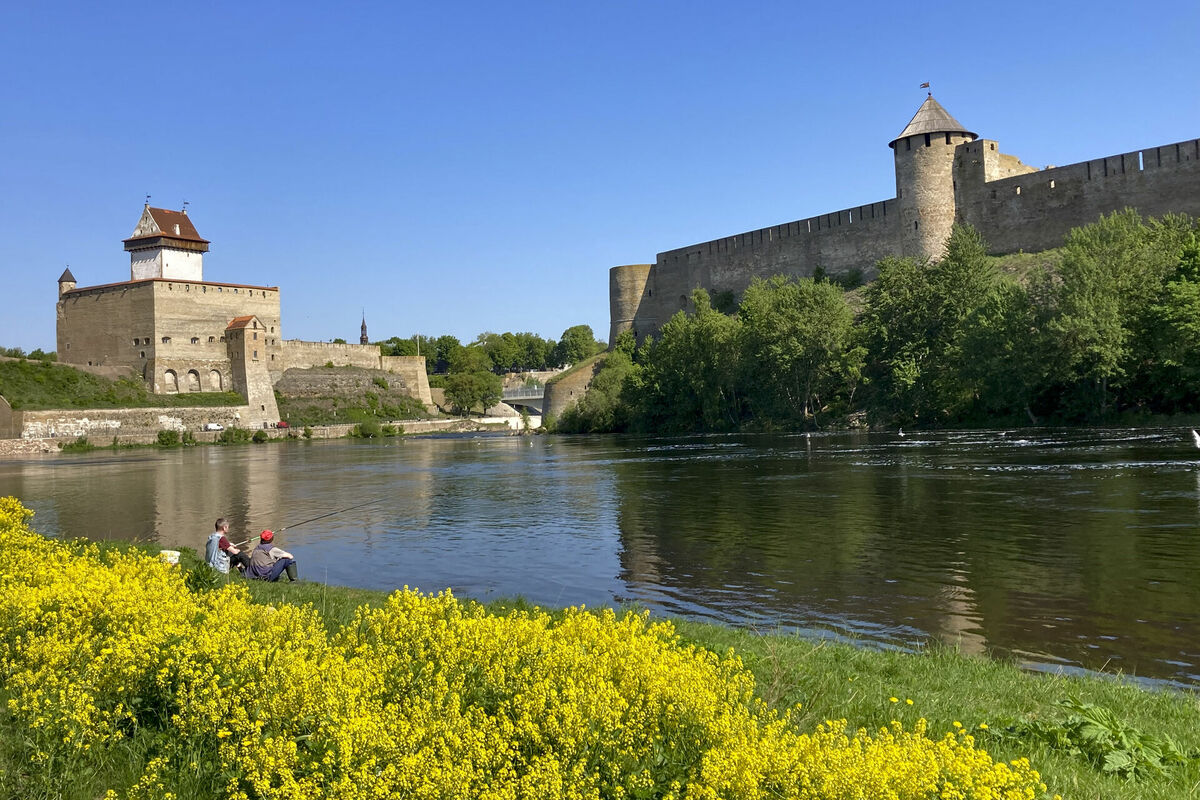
66 282
627 288
924 156
362 337
165 244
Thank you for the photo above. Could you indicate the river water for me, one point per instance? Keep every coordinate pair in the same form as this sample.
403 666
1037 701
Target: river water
1064 549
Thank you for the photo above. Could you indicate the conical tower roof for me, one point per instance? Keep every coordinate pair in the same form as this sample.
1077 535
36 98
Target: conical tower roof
66 277
931 118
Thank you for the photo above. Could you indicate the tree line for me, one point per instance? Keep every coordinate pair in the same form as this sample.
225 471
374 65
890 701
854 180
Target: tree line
1104 328
470 373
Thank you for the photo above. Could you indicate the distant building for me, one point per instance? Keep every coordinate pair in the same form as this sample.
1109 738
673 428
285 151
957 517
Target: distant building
181 333
944 174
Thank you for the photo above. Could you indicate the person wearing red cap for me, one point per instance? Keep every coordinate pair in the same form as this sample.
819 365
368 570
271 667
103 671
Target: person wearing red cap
268 562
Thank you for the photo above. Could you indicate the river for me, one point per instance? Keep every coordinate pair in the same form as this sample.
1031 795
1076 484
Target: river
1073 550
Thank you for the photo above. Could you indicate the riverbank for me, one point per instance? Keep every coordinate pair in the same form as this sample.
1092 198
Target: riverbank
51 445
1011 713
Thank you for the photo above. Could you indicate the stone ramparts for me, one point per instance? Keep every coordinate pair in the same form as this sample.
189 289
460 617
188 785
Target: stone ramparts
101 425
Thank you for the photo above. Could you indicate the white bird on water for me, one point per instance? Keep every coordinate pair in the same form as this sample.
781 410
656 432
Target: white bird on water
902 433
1196 438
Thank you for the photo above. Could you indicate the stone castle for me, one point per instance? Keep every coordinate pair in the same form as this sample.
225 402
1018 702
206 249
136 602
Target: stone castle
181 333
944 174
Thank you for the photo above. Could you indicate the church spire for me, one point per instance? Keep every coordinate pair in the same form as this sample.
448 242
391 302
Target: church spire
362 339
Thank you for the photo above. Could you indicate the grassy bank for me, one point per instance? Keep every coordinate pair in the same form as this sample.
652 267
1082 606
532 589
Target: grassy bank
35 385
1024 713
830 682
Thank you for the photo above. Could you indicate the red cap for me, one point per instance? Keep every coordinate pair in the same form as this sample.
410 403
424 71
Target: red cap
266 536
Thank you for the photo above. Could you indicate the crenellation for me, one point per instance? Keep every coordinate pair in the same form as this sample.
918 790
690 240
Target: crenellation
944 174
183 334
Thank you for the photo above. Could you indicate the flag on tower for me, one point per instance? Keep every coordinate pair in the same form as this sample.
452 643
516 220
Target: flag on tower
925 85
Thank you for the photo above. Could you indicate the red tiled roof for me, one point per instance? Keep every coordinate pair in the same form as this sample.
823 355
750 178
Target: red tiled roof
239 322
166 220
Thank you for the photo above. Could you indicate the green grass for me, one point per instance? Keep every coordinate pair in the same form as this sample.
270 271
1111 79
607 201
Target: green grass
34 385
834 681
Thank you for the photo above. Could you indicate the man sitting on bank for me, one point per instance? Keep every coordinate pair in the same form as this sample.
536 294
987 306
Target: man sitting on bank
268 562
219 552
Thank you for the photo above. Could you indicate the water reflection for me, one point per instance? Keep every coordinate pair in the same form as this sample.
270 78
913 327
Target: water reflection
1075 549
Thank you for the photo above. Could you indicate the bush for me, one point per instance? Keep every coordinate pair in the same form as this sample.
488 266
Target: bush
367 429
390 430
259 437
380 381
168 438
234 436
80 445
307 432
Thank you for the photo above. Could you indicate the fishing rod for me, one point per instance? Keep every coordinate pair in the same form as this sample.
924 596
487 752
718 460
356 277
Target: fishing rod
314 519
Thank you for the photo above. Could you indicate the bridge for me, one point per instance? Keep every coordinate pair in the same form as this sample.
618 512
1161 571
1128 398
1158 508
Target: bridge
529 396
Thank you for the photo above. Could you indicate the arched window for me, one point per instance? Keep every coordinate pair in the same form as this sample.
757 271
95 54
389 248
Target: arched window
170 382
214 381
193 381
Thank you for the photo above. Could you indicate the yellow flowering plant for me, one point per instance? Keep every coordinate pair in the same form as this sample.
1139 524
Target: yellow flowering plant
425 697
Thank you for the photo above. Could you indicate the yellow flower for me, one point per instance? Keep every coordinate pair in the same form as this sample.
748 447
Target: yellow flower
894 699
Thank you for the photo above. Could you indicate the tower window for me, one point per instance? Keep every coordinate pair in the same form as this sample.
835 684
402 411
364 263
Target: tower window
195 340
927 140
1018 190
1052 183
947 138
166 340
907 144
916 225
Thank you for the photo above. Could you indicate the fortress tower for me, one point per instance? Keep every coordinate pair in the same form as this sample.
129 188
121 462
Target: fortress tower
165 244
925 189
944 174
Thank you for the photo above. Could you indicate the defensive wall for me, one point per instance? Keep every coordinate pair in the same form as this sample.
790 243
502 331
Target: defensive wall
172 333
565 389
100 425
1035 210
298 354
944 174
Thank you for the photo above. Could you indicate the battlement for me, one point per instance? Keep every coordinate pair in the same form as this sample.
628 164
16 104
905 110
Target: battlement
944 174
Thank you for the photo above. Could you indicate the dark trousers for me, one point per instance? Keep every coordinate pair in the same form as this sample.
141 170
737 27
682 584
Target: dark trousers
238 560
280 566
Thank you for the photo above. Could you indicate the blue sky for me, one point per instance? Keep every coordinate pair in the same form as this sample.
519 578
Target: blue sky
466 167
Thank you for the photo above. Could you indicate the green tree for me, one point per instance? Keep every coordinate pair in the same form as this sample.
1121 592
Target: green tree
577 343
1111 273
443 351
395 346
797 338
690 373
917 317
473 358
467 390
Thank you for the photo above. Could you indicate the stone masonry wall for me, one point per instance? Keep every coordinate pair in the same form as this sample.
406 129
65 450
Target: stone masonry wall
565 389
837 242
100 425
1034 211
1015 207
411 370
8 421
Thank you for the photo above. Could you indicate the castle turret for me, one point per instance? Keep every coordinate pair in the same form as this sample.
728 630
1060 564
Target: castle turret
626 290
924 155
165 244
66 282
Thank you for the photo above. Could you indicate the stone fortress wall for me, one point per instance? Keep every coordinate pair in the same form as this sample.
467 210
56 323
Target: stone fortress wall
182 334
944 174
